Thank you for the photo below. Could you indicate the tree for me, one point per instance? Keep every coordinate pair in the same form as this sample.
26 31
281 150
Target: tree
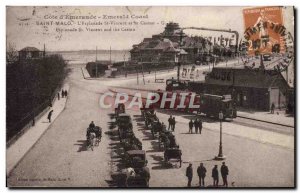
11 52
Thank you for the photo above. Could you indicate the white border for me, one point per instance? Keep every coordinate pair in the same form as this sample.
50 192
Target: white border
5 3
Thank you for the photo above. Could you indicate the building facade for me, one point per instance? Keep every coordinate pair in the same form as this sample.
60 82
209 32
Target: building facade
250 88
165 47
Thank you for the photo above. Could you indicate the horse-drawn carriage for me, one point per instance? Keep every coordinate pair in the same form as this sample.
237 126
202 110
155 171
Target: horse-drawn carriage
124 120
93 135
144 109
140 178
119 109
157 127
125 133
173 153
136 159
166 139
149 117
132 143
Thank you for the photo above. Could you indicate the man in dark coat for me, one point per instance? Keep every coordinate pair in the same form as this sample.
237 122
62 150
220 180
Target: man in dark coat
66 93
92 124
50 115
173 124
189 174
62 93
196 123
215 175
201 173
191 124
224 173
170 122
272 108
200 126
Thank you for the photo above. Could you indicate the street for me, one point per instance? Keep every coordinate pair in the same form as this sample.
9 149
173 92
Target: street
258 154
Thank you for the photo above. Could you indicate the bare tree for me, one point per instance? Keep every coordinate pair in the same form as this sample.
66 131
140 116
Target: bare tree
11 52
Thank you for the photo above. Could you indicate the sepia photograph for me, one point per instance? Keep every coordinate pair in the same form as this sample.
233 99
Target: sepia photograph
192 97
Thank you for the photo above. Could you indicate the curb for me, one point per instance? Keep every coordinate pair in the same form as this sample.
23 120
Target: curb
265 121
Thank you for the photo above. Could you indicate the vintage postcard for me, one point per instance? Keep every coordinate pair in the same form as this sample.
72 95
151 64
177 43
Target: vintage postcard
150 97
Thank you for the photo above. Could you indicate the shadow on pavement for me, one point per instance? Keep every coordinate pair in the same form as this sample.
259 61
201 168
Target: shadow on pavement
82 145
138 118
112 125
160 163
148 135
140 125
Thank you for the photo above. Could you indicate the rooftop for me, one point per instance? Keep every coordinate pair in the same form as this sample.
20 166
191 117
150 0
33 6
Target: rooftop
30 49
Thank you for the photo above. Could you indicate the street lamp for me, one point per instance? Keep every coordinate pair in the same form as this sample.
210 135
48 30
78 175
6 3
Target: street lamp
220 155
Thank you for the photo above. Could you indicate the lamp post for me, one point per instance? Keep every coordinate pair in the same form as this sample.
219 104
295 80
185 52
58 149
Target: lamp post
179 54
220 155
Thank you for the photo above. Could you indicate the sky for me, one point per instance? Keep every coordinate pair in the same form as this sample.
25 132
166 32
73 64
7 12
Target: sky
23 30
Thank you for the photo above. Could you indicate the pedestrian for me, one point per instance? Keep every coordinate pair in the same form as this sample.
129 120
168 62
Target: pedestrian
189 174
196 123
170 122
200 126
62 93
191 126
66 93
173 124
201 173
272 108
215 175
58 96
224 173
50 115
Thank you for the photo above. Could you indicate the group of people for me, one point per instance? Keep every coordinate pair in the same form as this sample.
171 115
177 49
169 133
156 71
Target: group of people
201 171
64 93
197 124
172 123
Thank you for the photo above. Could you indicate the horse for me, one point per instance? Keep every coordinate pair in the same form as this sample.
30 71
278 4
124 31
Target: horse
91 140
129 173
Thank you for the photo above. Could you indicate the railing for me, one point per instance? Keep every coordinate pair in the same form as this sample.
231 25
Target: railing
29 119
145 70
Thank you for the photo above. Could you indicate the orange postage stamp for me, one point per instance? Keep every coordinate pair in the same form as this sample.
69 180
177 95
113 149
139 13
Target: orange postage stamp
264 30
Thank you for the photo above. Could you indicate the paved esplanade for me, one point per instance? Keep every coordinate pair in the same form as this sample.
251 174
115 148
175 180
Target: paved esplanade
257 156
